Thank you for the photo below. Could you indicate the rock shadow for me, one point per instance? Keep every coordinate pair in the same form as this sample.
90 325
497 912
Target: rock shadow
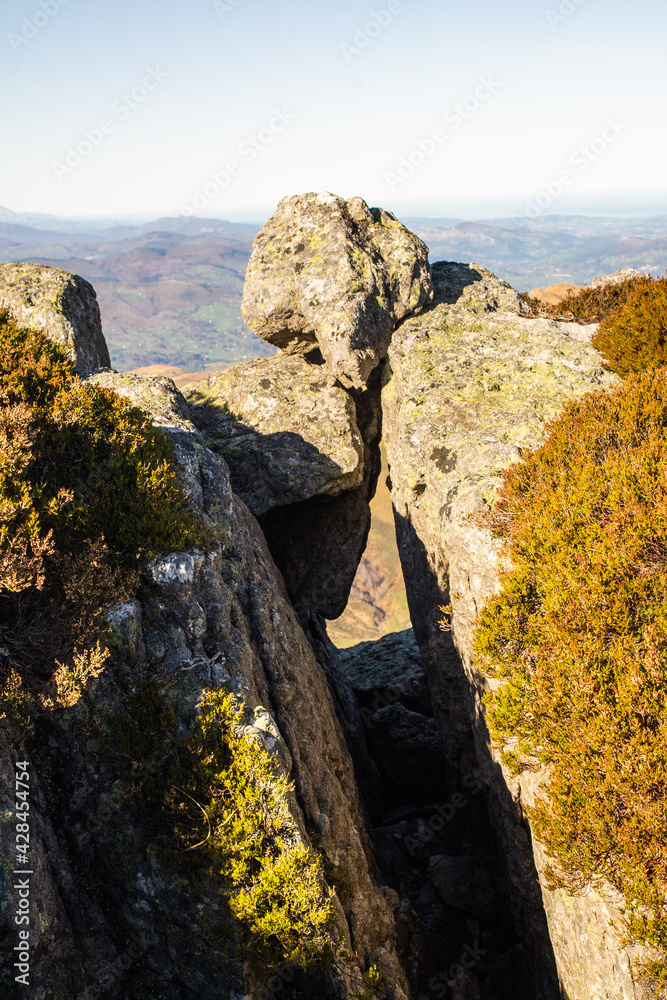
454 697
450 280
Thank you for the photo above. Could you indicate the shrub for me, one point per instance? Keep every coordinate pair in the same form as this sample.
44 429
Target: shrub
216 808
590 305
87 486
633 337
578 634
275 885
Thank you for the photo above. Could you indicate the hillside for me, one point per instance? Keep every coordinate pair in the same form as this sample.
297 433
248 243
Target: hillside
170 290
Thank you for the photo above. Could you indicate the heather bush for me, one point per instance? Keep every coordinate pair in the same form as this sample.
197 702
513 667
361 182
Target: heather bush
87 487
589 305
633 337
578 635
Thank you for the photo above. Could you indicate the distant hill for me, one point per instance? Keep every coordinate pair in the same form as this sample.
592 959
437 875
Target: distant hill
170 289
551 249
378 603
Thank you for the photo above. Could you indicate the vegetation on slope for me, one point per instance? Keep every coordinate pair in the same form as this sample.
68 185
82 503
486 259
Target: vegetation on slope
590 305
578 634
87 488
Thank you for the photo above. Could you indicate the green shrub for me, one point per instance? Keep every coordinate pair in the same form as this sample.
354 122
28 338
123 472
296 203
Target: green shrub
578 634
274 884
87 486
633 337
215 809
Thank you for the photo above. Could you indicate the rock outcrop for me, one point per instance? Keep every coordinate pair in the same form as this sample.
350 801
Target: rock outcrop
114 916
421 830
468 386
286 429
61 305
335 275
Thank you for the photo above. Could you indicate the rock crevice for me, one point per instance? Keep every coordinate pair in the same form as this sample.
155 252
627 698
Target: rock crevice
421 831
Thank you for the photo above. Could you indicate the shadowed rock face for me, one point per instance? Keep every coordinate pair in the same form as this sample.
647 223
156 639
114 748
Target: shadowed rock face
336 275
285 427
62 305
100 884
468 386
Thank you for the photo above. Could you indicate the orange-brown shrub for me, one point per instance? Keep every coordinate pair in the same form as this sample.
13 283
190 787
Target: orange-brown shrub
578 634
87 486
633 336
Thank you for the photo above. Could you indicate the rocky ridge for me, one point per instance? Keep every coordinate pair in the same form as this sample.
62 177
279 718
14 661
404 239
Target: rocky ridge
395 783
114 919
467 387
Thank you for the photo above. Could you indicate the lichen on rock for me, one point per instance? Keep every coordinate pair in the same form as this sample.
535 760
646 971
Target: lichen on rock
61 305
337 275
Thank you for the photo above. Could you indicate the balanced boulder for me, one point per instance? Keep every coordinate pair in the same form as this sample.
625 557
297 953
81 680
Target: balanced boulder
335 275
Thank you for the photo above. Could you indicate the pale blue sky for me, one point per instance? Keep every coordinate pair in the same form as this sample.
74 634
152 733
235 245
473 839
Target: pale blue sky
353 108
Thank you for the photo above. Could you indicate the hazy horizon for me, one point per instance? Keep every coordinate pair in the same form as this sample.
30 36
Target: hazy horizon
257 215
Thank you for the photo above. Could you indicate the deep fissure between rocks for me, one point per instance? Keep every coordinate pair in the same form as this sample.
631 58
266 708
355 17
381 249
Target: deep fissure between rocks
431 828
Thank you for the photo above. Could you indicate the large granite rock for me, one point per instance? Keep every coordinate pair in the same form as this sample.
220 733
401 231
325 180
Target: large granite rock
61 305
337 275
387 670
468 385
114 916
286 429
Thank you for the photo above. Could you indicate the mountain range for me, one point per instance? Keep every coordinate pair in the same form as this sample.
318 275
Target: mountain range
170 289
